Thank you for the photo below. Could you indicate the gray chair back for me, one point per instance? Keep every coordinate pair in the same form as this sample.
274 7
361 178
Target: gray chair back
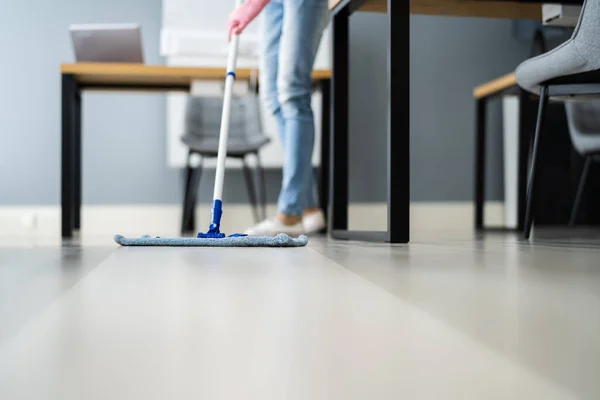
583 117
203 118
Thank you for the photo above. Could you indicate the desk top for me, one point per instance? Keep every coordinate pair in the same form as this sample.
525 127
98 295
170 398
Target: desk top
462 8
113 74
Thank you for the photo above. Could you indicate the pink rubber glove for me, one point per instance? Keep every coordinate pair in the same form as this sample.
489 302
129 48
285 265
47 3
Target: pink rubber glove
243 15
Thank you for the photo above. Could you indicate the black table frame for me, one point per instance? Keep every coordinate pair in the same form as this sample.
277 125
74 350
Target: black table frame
71 154
398 125
526 110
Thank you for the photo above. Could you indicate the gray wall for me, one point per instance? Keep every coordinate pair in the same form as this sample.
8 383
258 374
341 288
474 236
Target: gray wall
448 58
124 135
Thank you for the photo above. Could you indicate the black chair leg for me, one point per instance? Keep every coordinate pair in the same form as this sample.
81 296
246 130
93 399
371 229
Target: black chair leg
318 177
186 193
188 221
262 188
251 190
318 174
529 211
582 181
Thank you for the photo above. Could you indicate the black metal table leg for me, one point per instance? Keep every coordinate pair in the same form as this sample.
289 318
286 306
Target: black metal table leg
77 158
398 132
325 86
338 193
527 108
526 111
480 123
68 164
398 127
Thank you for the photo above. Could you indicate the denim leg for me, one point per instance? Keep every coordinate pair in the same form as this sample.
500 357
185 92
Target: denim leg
271 22
303 25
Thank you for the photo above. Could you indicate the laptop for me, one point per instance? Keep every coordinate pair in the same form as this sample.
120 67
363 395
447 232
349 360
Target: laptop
107 43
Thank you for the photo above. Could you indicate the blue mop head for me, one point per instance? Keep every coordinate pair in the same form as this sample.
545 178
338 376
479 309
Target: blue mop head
281 240
214 238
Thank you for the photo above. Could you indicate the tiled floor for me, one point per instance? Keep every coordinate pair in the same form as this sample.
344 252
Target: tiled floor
448 317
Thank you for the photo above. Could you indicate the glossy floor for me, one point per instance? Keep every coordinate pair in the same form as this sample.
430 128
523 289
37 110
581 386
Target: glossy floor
448 317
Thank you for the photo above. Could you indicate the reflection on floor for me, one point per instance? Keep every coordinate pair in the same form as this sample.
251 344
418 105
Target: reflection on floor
450 316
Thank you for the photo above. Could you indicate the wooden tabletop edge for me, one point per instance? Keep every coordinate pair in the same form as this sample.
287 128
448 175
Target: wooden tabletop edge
495 85
147 69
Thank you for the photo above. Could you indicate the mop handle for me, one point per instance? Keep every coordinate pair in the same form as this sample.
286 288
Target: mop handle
224 133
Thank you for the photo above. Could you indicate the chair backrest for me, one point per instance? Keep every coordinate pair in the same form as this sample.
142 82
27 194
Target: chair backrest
203 117
583 117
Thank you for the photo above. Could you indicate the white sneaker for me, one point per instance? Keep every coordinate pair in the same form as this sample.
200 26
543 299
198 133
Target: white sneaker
314 223
273 226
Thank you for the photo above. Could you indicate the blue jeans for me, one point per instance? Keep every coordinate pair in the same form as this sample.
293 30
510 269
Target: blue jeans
291 31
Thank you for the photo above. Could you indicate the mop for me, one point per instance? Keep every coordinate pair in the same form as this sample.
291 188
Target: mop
214 237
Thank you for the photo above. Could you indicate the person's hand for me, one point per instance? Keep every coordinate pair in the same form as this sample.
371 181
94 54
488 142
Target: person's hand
243 15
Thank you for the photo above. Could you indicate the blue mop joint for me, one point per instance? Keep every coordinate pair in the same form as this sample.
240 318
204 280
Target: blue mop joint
215 223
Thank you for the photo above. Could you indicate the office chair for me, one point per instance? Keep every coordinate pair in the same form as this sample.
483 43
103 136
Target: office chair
568 71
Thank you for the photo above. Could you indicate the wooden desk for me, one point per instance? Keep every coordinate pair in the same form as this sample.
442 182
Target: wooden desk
459 8
398 133
147 77
127 77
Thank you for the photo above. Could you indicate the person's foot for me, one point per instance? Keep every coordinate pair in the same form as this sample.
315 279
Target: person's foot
287 224
313 221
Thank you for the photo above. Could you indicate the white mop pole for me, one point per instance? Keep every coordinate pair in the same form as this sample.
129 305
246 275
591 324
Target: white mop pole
224 133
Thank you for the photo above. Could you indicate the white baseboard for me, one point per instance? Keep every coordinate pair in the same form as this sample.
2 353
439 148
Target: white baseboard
165 219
